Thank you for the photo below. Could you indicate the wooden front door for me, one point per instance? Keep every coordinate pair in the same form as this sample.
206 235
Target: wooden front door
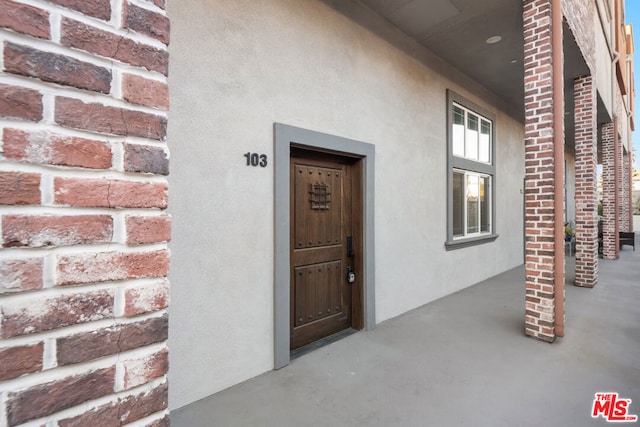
323 246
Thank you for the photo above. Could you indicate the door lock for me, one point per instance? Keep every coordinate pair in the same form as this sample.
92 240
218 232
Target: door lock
351 276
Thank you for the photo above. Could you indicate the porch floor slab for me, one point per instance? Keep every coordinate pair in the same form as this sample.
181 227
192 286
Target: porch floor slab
462 360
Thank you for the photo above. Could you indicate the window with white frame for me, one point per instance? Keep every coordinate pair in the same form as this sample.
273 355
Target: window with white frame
471 135
471 173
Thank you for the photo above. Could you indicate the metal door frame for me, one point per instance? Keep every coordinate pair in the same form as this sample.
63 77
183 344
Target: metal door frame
284 137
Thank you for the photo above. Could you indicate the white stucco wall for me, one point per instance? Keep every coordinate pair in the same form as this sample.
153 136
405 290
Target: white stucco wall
236 68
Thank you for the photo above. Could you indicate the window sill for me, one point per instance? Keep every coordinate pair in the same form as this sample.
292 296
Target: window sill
472 241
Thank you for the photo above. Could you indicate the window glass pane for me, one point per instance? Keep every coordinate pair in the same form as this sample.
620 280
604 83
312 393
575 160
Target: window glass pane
485 126
484 146
471 146
458 204
458 115
485 200
472 122
458 131
473 196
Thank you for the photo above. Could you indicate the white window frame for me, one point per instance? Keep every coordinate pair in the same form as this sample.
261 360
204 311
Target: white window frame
488 198
470 165
465 143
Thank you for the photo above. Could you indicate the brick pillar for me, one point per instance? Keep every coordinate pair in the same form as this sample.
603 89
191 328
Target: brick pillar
625 193
541 260
630 184
83 191
609 220
586 182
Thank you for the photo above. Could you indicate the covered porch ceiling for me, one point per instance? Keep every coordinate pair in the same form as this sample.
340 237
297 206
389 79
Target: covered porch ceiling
458 30
483 40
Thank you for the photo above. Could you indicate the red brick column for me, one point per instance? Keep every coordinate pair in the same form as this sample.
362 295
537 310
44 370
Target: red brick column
83 190
630 184
610 224
586 182
625 193
609 221
540 257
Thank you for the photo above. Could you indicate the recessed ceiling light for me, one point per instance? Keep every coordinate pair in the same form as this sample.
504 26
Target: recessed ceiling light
513 61
494 39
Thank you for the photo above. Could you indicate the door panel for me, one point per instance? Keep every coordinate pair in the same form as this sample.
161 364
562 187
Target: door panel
318 208
321 219
317 290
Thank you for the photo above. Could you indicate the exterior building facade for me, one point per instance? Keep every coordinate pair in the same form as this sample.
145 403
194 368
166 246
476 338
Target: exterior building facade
334 164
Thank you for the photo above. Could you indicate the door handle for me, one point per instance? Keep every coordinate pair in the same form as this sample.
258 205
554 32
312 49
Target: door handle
351 275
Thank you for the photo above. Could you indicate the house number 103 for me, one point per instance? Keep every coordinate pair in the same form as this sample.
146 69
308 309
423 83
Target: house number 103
255 159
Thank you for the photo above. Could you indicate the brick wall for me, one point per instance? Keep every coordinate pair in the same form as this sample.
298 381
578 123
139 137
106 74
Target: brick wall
540 256
625 194
580 16
630 201
609 222
83 190
621 165
586 194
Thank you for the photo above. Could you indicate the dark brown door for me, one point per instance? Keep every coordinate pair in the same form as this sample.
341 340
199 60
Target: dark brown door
321 227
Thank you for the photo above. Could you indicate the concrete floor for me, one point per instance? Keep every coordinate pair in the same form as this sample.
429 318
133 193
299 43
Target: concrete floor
460 361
